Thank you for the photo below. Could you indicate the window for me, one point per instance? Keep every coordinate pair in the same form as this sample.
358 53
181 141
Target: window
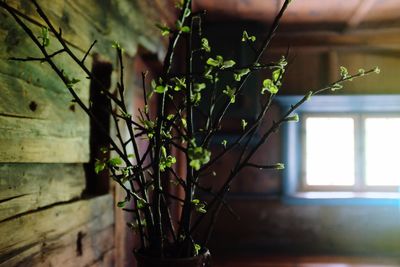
342 144
329 151
356 152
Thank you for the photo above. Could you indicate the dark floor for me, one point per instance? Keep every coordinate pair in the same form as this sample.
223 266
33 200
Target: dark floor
304 261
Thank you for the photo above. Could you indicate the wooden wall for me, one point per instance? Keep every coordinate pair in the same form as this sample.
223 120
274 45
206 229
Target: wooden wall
46 219
268 224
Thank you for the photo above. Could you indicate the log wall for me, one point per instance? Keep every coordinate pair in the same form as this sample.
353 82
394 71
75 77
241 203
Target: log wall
46 219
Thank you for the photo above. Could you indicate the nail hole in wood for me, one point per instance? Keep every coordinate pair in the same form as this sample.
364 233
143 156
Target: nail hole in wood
79 248
33 106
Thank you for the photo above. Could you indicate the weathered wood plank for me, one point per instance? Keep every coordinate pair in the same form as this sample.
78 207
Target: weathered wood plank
16 43
38 125
108 259
38 122
27 187
19 99
56 227
50 150
111 20
94 249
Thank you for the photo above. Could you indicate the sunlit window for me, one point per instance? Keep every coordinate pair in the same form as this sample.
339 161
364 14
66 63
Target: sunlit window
356 151
329 151
382 149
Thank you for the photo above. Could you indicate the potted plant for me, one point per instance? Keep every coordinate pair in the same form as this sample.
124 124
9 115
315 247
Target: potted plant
145 176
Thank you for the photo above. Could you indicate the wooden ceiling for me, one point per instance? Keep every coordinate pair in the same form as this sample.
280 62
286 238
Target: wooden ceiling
368 23
310 14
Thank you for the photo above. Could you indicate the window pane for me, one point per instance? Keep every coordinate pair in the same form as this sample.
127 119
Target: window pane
382 148
329 151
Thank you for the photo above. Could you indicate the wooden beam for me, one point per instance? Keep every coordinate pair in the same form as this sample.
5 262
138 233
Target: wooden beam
362 10
366 40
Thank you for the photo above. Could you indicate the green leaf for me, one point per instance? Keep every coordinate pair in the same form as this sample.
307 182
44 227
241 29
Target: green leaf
230 92
217 62
197 248
153 84
336 86
344 72
279 166
196 97
309 94
99 166
277 74
45 37
198 155
121 204
224 143
163 151
246 37
160 89
268 85
212 62
165 30
228 64
185 29
207 72
184 122
205 45
179 83
195 164
115 161
166 161
282 62
104 150
116 45
187 13
199 86
294 118
201 208
72 82
243 123
238 74
141 203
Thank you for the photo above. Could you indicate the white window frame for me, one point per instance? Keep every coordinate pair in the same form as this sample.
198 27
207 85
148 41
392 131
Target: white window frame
360 184
359 105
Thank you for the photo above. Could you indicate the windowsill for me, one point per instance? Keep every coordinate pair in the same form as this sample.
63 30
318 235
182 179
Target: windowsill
343 198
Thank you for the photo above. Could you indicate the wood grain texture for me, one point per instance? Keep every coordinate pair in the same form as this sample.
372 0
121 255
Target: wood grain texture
27 187
38 121
106 21
95 249
59 236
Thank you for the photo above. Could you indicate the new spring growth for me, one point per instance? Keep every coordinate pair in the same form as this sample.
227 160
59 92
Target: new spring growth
294 118
243 123
308 96
279 166
45 37
246 37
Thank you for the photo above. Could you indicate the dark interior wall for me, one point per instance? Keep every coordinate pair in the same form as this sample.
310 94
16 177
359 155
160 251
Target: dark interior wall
270 224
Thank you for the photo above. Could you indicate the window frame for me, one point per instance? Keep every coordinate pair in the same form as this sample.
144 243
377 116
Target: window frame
360 183
366 105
